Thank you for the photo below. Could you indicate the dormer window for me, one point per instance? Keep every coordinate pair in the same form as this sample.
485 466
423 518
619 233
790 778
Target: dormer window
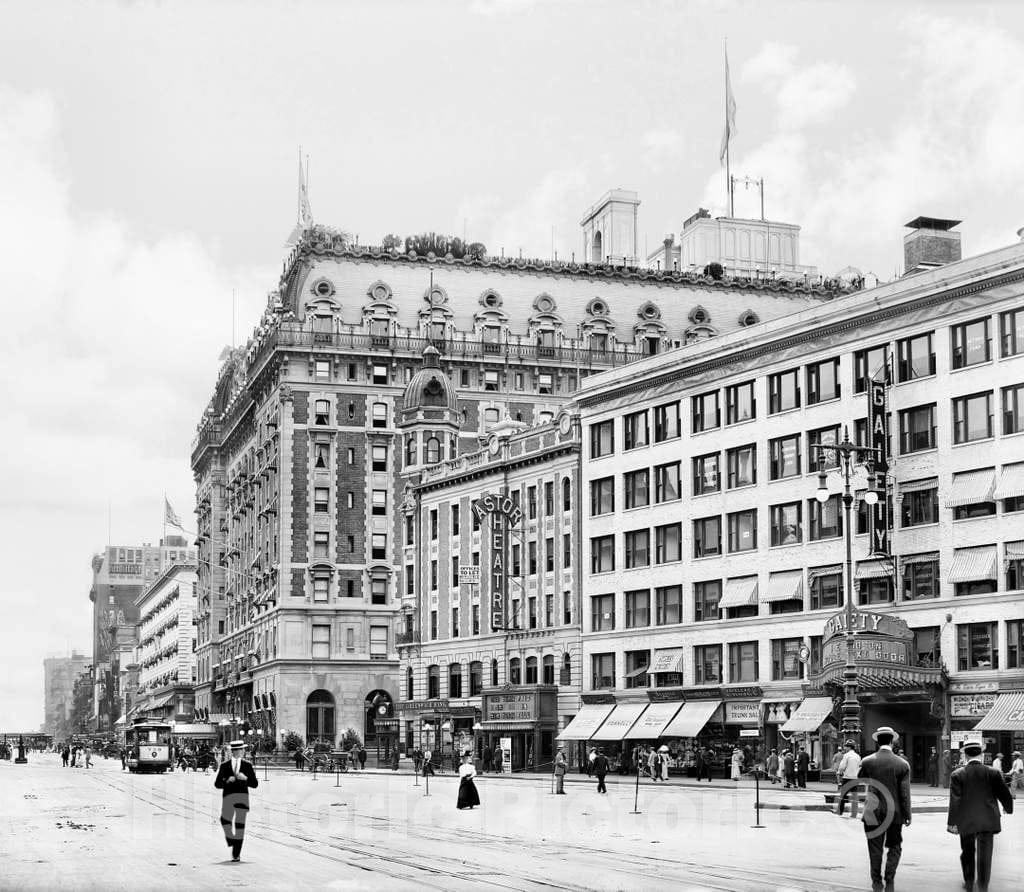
437 331
599 342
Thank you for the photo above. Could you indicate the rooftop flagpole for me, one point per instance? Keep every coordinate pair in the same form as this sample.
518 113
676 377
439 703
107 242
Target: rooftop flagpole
728 135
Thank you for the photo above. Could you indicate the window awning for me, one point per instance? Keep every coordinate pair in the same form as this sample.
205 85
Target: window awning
586 721
669 659
809 715
971 564
972 488
162 701
1011 482
831 570
926 558
618 724
652 723
636 673
919 485
785 586
739 592
872 570
691 719
1006 714
496 725
1014 550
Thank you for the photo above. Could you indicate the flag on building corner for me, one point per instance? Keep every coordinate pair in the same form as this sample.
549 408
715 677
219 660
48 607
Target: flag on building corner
305 212
730 113
169 516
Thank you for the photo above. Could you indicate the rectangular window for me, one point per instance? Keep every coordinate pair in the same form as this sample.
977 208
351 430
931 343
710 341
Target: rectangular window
602 667
379 503
919 507
531 558
876 591
743 662
1013 409
783 391
819 459
786 658
549 499
742 530
920 579
666 422
351 455
917 429
410 580
379 546
637 548
972 418
636 488
380 373
531 502
602 496
321 643
566 551
826 589
321 499
321 455
787 526
1014 642
705 412
322 412
1014 563
669 604
433 625
742 466
549 555
531 623
823 381
784 457
455 520
668 543
1011 330
634 430
491 384
516 560
638 608
602 440
322 368
549 610
915 357
321 545
707 537
545 383
321 587
707 473
637 662
602 554
868 364
977 646
706 596
707 664
379 458
971 343
666 482
433 575
433 524
826 519
378 590
454 580
740 403
602 613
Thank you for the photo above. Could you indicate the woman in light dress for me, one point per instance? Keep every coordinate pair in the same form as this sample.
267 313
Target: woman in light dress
468 796
737 763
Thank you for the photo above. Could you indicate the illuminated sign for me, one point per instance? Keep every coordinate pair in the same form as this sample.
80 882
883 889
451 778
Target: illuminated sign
502 512
878 438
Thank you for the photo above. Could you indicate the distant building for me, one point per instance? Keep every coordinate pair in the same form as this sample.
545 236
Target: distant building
59 675
610 229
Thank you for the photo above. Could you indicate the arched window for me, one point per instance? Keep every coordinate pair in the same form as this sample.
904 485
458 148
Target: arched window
410 451
380 415
453 447
531 670
433 682
548 676
566 494
455 680
566 675
494 673
320 717
408 684
597 252
514 671
432 451
476 679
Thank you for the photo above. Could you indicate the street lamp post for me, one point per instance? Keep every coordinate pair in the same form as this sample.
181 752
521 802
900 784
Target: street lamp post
846 453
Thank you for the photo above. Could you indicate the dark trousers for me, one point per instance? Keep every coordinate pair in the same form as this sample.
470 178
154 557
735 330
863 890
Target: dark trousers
704 771
801 778
790 778
600 784
892 839
232 821
976 849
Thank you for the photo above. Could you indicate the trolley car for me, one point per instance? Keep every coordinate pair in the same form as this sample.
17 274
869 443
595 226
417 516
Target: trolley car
148 746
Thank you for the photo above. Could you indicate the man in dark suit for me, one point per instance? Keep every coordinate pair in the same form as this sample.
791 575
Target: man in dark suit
886 807
600 770
235 777
803 762
975 792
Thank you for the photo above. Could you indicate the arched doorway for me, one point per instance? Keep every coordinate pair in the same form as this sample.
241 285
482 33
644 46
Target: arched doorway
380 726
597 252
320 718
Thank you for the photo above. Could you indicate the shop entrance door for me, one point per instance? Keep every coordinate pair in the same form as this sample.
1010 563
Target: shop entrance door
921 747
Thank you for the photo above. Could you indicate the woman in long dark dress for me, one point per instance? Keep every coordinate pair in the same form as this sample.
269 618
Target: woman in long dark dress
468 796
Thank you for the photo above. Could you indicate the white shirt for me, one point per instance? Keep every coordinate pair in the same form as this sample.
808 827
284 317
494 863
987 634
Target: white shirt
466 769
850 764
997 764
1017 767
235 765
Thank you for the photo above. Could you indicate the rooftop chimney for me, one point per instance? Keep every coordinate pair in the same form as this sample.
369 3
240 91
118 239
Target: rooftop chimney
932 243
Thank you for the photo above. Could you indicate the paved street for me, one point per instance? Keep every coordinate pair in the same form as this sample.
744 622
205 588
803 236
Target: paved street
101 828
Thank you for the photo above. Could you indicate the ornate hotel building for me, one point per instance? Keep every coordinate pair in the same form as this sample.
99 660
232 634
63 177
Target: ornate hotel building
713 579
302 457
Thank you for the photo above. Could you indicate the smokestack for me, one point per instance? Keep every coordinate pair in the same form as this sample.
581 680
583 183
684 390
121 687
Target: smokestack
932 243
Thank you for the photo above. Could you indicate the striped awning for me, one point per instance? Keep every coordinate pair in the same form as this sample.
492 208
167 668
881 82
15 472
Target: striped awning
1014 550
809 715
1011 482
831 570
586 721
508 726
669 659
872 570
972 488
619 723
691 719
1006 714
971 564
927 557
652 723
918 485
739 592
785 586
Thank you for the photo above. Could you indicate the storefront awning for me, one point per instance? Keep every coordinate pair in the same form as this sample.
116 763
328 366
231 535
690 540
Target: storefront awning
927 557
972 488
619 723
691 719
971 564
1014 550
195 729
785 586
586 722
831 570
809 715
160 701
669 659
872 570
739 592
1006 714
652 723
1011 482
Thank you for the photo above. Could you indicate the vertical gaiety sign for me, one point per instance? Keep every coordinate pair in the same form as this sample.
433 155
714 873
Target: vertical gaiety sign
499 512
878 438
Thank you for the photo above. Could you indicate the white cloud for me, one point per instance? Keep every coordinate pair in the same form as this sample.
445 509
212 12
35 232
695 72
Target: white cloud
661 147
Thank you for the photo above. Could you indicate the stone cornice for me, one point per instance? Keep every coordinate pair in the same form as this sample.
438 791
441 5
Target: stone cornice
499 465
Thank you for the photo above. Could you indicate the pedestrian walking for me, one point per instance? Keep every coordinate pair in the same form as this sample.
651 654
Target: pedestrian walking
653 767
664 761
417 760
737 763
486 759
1017 772
600 766
849 765
560 767
65 755
932 771
468 795
997 763
499 760
703 758
772 767
394 758
235 778
428 767
353 758
590 761
975 794
362 758
789 768
886 807
300 759
803 763
88 757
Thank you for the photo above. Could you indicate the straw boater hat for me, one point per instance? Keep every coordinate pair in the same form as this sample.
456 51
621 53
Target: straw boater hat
237 744
885 729
973 747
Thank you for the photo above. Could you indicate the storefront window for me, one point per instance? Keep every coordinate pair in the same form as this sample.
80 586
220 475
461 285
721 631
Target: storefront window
977 646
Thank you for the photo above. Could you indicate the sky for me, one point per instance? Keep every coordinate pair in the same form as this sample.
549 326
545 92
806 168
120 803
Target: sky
148 169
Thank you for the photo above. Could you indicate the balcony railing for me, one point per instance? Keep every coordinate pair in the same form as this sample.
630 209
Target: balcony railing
407 638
